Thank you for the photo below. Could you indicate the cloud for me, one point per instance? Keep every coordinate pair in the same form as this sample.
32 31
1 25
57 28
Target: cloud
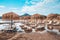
41 7
27 2
13 8
38 6
2 6
51 1
27 9
32 8
31 2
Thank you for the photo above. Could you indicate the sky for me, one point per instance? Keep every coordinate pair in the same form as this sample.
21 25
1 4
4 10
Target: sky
31 7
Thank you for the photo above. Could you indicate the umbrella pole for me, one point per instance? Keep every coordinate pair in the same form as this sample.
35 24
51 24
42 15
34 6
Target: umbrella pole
11 21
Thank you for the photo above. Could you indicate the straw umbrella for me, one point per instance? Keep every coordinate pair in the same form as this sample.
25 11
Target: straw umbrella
38 17
7 16
10 16
55 21
51 16
35 17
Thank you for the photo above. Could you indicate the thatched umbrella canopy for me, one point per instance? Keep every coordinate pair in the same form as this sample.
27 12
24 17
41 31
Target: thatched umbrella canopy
38 16
21 18
52 16
26 17
10 15
35 16
54 21
43 17
58 17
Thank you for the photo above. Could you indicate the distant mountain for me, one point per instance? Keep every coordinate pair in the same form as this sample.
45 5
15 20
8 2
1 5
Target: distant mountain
26 14
0 17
